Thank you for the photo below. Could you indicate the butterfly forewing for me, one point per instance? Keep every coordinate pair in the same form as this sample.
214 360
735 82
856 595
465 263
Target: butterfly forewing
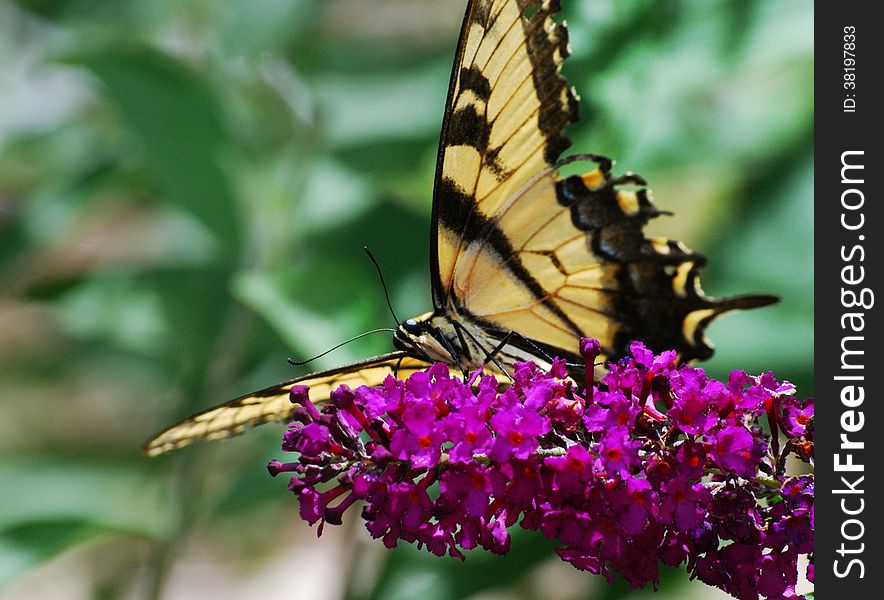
272 403
507 107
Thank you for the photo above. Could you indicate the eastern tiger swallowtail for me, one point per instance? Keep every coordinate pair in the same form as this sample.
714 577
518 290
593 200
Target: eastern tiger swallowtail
524 260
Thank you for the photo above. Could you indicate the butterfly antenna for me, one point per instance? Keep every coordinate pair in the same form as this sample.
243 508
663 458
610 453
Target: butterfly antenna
377 266
354 338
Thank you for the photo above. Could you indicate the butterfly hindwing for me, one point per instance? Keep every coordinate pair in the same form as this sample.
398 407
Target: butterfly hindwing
520 248
272 403
580 265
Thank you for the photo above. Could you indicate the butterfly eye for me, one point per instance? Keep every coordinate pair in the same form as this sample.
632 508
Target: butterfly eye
412 327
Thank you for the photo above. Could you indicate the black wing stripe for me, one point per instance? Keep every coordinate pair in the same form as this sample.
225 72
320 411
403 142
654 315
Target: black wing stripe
472 79
453 207
457 210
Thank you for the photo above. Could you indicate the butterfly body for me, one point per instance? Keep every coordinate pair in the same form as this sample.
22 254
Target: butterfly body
524 260
463 343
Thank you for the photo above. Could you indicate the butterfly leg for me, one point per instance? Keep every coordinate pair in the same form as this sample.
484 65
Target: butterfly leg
515 334
489 356
540 351
455 357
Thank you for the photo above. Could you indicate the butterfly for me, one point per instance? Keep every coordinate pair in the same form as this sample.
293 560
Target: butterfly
524 260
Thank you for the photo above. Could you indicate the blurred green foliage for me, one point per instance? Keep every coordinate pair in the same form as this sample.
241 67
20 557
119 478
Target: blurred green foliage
185 187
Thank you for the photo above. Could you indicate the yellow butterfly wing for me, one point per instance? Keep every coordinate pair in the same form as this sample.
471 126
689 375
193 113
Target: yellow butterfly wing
272 403
506 110
518 247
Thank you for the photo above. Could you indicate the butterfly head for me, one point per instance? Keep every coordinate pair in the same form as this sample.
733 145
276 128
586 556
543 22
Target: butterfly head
422 338
412 333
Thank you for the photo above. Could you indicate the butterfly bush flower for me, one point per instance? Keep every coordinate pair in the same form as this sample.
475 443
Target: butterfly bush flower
656 463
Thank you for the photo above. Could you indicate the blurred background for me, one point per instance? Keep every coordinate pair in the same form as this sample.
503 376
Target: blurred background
185 188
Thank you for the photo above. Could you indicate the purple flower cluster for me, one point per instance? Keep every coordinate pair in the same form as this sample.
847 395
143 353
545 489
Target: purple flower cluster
655 463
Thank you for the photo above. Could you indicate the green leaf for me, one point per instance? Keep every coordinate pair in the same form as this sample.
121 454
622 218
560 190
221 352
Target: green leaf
254 27
406 104
116 309
308 332
114 495
174 117
412 573
26 546
777 338
52 504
